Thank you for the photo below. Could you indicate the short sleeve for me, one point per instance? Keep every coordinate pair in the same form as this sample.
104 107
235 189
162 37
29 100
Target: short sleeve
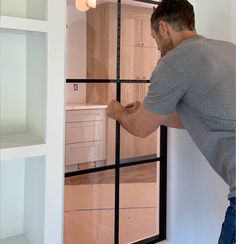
165 91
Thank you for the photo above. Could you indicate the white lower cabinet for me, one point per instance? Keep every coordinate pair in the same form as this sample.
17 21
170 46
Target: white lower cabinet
85 136
84 152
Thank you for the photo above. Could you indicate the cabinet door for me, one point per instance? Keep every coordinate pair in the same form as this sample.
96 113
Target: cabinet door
138 63
131 146
134 147
85 115
147 39
84 131
145 61
130 31
127 60
84 152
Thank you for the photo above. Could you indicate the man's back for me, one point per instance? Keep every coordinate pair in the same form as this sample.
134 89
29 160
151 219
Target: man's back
198 78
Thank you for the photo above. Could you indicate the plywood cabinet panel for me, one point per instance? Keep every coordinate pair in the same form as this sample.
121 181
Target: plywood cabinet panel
130 31
147 39
137 63
148 60
139 56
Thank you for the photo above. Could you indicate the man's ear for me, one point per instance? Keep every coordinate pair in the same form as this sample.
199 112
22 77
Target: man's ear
164 28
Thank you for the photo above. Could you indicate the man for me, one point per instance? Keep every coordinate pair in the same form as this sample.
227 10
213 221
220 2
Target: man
192 87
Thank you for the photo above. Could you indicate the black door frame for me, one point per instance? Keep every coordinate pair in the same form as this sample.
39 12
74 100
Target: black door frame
118 165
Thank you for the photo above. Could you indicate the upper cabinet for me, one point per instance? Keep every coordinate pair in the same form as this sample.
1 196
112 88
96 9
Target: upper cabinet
139 54
135 27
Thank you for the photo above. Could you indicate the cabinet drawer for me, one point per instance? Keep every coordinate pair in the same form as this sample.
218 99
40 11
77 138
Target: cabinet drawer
84 131
85 115
84 152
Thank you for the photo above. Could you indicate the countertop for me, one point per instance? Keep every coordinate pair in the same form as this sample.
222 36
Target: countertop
84 106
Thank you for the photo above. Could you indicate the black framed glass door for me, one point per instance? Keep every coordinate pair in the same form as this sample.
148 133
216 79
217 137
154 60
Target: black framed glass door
116 192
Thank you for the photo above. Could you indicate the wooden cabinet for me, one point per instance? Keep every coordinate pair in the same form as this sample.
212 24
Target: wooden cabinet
135 27
138 58
85 136
138 48
137 63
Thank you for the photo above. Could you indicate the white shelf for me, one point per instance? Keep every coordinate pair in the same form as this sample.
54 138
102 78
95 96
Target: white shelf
22 151
21 145
19 140
15 240
15 23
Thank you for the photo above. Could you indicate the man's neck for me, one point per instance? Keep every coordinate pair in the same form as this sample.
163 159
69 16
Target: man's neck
182 36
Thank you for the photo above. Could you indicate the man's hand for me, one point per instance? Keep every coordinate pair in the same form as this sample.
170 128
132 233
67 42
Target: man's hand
114 110
132 107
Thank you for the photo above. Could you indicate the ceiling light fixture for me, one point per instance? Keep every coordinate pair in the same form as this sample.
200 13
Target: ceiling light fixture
84 5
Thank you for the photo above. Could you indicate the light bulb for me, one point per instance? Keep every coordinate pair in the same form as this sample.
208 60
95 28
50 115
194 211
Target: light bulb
81 5
91 3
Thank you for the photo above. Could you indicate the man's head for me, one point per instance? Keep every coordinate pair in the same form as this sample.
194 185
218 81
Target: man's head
171 21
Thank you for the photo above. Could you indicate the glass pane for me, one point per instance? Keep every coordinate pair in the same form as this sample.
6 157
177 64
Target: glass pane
91 41
22 192
23 91
89 208
31 9
134 148
90 135
139 54
139 202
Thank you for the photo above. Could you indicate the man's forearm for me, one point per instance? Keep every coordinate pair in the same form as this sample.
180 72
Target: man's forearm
129 122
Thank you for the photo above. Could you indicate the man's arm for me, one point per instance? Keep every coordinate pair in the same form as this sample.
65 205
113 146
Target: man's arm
174 121
139 121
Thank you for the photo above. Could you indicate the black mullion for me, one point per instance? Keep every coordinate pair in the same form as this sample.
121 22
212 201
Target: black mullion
117 161
163 182
105 81
149 240
148 1
109 167
147 161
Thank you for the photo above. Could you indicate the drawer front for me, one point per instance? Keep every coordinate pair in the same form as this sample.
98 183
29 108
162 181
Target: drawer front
84 132
84 152
85 115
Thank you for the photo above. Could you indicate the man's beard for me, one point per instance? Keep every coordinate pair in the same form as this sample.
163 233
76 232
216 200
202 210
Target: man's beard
166 47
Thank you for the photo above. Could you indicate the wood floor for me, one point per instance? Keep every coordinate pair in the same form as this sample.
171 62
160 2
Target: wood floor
145 173
89 213
90 201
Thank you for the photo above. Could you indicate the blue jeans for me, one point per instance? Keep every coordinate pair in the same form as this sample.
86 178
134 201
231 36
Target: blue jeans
228 232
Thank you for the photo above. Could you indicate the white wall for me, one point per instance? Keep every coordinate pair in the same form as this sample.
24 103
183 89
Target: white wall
197 196
76 53
180 193
76 43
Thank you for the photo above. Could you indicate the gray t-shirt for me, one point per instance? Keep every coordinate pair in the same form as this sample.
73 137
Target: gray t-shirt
197 79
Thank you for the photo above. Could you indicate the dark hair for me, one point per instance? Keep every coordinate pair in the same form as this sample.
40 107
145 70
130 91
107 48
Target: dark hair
178 13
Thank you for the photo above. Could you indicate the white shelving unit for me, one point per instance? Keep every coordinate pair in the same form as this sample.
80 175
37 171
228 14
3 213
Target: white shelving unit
32 36
16 23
